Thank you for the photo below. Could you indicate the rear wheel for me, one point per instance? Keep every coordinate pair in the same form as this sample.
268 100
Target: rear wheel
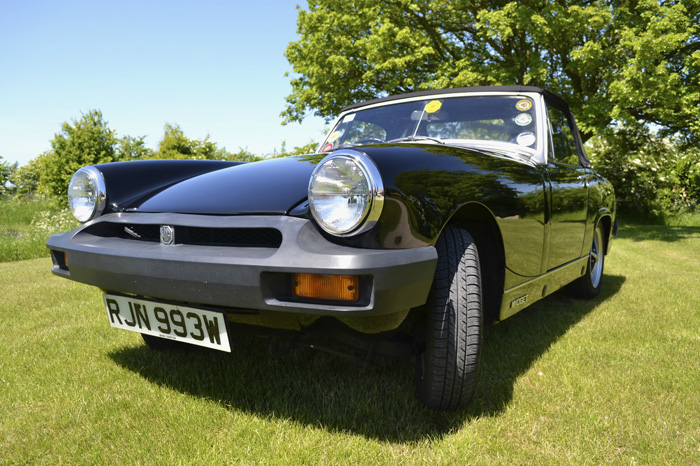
446 372
162 344
588 286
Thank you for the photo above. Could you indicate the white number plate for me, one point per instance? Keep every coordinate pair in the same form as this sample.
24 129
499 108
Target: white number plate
181 323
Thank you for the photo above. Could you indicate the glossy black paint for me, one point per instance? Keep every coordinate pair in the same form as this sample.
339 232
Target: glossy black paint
429 184
130 182
542 213
268 187
532 222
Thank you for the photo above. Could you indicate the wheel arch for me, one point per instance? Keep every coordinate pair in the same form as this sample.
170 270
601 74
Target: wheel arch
481 224
605 220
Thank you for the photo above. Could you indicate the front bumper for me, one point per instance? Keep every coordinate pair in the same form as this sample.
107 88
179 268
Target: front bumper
250 278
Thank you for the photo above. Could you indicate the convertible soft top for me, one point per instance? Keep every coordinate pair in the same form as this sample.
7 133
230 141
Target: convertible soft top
558 101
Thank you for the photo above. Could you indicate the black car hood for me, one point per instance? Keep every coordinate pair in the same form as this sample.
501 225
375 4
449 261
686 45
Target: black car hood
268 187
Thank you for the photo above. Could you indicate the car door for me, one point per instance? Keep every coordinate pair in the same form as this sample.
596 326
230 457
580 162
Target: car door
569 186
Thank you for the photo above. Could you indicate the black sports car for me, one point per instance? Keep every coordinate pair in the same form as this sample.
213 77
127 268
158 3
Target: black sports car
423 216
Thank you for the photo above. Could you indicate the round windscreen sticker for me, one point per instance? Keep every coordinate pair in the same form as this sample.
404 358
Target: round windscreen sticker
523 105
526 139
433 106
523 119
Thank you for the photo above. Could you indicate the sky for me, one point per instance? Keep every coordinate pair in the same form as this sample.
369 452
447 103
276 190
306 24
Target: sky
214 68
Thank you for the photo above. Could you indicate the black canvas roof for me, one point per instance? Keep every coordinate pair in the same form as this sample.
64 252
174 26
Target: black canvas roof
558 101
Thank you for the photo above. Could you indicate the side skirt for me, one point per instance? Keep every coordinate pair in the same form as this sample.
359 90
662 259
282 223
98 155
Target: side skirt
519 297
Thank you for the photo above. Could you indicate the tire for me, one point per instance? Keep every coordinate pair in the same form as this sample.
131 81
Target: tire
163 344
588 286
446 371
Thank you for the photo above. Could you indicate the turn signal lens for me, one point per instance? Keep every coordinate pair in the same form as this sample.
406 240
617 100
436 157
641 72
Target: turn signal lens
328 287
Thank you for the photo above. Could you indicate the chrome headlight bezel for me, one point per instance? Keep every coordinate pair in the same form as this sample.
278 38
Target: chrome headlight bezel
87 194
365 217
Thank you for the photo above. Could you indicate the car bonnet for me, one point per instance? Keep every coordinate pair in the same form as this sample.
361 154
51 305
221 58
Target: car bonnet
267 187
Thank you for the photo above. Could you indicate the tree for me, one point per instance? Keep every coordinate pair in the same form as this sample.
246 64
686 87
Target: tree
623 61
652 175
27 178
87 141
133 148
175 145
243 155
308 148
6 171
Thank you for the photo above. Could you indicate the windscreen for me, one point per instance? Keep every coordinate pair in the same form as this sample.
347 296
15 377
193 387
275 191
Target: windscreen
500 119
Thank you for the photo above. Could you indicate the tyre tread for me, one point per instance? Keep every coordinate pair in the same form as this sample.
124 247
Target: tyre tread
448 369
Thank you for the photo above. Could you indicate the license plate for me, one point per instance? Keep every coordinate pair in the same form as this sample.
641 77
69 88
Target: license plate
200 327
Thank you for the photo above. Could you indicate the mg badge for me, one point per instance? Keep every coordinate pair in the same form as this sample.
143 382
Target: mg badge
167 234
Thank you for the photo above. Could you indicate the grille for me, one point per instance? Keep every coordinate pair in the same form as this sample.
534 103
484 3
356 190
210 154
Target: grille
234 237
139 232
229 237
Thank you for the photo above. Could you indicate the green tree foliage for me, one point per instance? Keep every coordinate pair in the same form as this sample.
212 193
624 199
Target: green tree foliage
309 148
86 141
613 60
6 171
27 178
652 175
243 155
175 145
133 148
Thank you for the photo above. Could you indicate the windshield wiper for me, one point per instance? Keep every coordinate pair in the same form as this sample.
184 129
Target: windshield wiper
418 138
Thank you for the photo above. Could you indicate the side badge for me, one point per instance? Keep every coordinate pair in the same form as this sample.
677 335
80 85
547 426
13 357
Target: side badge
167 234
518 302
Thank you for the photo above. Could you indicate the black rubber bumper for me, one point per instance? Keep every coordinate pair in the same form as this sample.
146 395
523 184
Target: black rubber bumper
254 278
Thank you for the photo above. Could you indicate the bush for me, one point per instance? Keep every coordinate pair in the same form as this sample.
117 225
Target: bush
87 141
6 171
27 222
653 177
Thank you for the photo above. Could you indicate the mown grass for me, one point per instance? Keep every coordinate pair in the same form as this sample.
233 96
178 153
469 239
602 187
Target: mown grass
609 381
26 224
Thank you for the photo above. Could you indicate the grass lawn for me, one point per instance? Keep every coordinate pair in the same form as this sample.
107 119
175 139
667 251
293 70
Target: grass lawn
611 381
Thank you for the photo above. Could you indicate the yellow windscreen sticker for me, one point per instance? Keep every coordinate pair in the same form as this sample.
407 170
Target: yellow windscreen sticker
334 136
523 105
433 106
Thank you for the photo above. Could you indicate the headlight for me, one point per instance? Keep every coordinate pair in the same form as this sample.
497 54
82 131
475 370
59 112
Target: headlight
346 194
86 194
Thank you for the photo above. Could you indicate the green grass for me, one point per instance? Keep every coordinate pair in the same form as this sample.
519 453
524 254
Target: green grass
609 381
26 224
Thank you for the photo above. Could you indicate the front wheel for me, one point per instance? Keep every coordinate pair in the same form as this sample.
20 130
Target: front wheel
588 286
446 372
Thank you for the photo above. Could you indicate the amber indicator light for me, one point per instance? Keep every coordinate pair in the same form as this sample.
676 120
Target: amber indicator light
328 287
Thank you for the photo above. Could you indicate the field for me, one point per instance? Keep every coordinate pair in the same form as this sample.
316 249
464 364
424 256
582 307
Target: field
610 381
25 225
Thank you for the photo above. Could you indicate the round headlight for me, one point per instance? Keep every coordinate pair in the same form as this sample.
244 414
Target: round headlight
346 194
86 194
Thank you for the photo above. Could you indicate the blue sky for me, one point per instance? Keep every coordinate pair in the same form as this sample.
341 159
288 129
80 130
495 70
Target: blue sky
213 67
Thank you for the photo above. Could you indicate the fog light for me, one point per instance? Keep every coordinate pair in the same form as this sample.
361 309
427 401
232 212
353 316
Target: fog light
328 287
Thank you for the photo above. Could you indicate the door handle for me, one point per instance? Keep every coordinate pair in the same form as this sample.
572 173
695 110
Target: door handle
585 180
